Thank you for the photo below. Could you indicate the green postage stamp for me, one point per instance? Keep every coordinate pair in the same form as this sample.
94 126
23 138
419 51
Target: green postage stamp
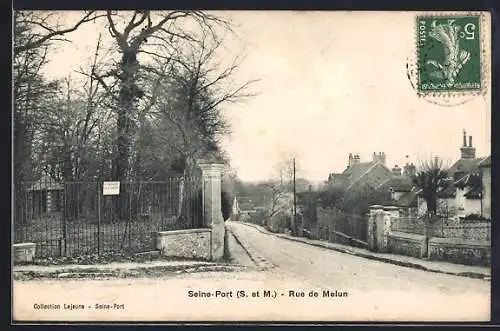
449 53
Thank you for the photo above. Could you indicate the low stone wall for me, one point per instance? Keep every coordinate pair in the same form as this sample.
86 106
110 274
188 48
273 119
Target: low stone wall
188 244
471 252
408 244
24 253
480 231
341 238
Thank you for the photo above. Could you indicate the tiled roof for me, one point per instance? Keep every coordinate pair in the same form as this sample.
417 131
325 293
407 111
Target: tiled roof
357 171
486 162
474 193
448 191
408 199
399 184
473 180
465 166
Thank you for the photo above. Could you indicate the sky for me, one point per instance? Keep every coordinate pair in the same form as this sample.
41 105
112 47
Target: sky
330 84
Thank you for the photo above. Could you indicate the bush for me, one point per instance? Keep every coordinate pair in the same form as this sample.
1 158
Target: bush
259 217
279 222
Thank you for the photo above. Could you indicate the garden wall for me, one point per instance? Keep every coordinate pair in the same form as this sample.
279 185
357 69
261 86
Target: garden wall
471 252
188 244
408 244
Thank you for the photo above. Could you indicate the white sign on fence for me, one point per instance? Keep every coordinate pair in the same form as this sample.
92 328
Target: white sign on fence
111 188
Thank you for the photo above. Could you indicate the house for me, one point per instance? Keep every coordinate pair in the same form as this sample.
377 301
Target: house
485 168
465 174
359 174
402 191
45 196
235 210
462 192
243 207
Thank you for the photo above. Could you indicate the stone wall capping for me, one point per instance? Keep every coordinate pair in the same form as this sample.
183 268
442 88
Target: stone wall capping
187 231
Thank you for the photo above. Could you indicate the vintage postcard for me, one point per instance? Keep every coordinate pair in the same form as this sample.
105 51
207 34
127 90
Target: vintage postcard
265 166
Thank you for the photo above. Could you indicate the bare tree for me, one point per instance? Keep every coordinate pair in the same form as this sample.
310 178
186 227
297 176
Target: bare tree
278 194
44 27
190 97
194 90
140 31
34 33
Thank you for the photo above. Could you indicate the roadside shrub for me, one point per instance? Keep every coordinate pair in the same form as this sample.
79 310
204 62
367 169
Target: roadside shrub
259 217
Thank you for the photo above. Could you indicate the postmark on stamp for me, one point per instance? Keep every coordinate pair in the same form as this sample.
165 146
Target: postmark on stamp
449 54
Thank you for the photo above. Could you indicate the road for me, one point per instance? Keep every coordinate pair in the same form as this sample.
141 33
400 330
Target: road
366 291
393 291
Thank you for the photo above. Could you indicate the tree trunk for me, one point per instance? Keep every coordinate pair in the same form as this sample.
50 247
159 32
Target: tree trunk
128 92
188 198
22 167
425 253
430 218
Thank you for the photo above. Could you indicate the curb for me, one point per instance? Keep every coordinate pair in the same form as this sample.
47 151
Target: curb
69 272
474 275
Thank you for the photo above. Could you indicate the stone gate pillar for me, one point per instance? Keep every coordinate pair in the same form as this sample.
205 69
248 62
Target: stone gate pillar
372 227
390 214
212 205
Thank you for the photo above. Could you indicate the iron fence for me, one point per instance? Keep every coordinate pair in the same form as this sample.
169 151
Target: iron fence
73 218
331 222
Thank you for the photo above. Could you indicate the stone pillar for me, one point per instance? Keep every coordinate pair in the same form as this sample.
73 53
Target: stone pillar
212 206
390 213
372 227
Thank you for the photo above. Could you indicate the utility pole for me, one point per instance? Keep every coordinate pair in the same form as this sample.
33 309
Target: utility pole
294 202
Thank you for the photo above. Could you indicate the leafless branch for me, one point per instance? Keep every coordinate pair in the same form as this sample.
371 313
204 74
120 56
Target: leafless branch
51 32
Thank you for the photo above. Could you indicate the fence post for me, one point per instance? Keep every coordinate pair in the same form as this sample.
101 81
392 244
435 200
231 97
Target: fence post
99 191
211 168
64 218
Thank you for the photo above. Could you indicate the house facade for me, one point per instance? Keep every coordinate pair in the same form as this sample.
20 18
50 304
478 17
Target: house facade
45 196
462 192
401 188
485 167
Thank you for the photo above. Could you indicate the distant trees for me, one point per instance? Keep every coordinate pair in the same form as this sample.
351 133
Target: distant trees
356 200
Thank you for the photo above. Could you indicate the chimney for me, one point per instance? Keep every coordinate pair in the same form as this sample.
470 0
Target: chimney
396 171
380 157
353 159
467 152
409 170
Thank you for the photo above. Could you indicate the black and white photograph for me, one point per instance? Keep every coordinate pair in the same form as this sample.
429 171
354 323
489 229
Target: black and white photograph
255 166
